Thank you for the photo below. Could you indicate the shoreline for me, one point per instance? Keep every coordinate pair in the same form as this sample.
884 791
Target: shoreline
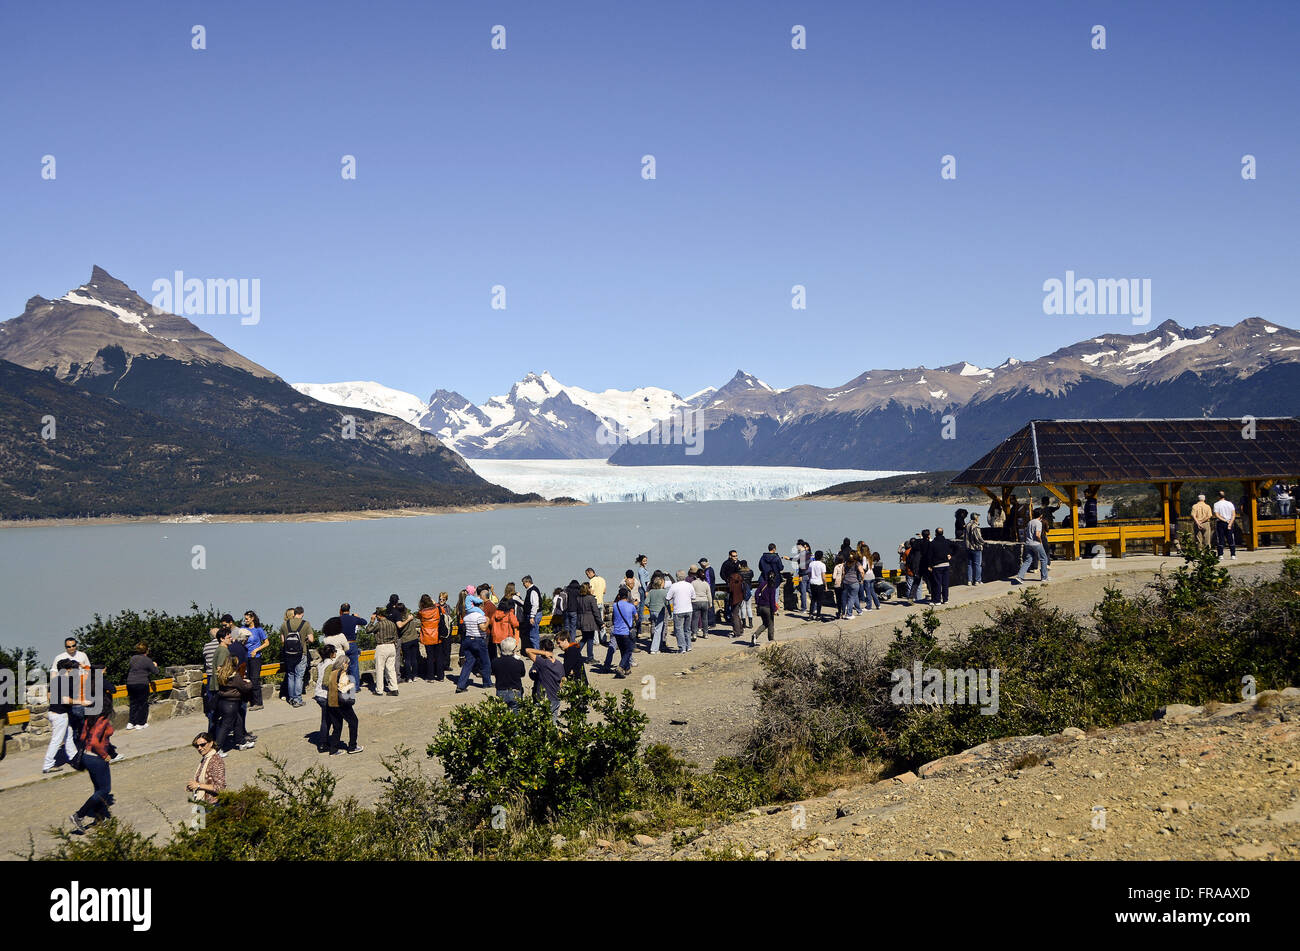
290 517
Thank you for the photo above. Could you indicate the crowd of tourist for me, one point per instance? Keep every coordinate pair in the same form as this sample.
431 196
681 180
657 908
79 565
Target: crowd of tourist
497 632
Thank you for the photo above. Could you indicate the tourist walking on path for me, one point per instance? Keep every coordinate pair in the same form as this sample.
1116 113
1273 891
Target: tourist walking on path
681 597
1033 550
95 753
138 675
64 688
1202 518
386 638
210 778
328 654
657 603
340 698
296 634
532 611
473 644
940 565
1225 517
765 599
974 551
624 612
256 643
816 585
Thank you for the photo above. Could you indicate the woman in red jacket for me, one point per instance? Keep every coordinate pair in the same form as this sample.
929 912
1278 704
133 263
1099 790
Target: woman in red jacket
95 756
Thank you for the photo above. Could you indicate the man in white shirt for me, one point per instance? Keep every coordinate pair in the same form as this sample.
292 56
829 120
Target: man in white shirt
816 586
1034 550
680 595
70 652
1225 515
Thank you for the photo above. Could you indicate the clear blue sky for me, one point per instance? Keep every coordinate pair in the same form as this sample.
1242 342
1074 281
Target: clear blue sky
775 167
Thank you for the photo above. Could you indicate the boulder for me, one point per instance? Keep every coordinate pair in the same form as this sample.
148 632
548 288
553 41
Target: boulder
1178 710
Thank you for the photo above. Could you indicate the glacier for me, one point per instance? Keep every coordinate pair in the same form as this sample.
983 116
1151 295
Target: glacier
596 481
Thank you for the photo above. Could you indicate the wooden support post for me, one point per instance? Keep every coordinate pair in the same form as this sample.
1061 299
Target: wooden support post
1075 514
1164 512
1252 512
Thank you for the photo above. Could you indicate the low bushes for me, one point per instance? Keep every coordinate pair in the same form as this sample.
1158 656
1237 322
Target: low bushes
1192 636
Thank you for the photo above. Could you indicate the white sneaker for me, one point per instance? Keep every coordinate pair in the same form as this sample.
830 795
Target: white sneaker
141 726
130 726
1234 557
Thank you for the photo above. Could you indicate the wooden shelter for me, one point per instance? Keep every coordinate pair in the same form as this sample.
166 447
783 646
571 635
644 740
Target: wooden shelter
1065 455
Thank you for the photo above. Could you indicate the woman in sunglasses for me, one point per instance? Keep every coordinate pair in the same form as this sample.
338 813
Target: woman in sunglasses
210 778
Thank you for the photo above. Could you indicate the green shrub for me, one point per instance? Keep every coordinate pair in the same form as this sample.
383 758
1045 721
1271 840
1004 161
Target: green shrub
493 756
171 639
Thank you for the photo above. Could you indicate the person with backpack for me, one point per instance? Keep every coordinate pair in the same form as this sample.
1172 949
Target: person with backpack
340 698
528 610
408 632
572 608
765 599
94 754
295 635
624 612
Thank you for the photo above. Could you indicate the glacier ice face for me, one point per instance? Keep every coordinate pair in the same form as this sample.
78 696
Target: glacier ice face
595 481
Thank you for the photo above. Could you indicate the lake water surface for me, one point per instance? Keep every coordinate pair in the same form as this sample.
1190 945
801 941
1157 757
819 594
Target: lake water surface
56 578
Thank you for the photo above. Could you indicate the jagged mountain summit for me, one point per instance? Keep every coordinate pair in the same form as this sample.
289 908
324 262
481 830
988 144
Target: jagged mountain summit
256 443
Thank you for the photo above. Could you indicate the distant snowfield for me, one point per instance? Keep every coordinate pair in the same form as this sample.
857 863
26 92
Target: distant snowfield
594 480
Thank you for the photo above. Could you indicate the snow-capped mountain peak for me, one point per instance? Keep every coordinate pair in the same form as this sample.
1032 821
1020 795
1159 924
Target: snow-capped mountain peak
366 394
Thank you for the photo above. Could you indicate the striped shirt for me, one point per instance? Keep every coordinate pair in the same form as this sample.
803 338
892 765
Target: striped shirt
209 654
